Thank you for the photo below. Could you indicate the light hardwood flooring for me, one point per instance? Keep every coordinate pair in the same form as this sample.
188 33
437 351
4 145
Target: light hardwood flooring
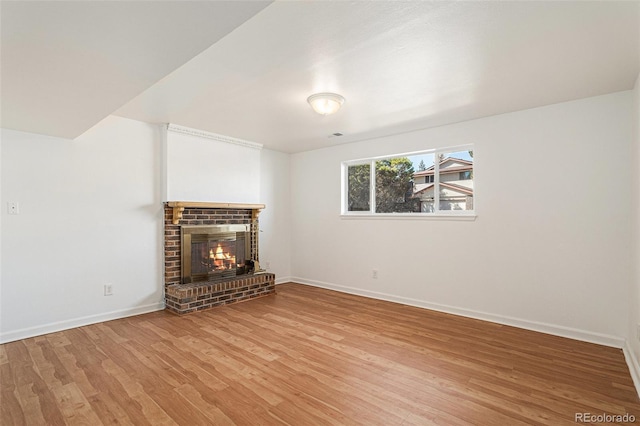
309 356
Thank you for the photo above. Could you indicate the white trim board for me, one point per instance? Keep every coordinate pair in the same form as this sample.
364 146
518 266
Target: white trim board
632 363
214 136
631 360
39 330
570 333
556 330
25 333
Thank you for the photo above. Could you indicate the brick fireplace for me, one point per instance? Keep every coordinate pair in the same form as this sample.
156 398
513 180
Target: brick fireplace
184 296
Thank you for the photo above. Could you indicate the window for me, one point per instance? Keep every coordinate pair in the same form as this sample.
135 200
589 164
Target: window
430 182
359 187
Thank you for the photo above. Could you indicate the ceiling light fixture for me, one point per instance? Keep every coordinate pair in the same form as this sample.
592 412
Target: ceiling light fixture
325 103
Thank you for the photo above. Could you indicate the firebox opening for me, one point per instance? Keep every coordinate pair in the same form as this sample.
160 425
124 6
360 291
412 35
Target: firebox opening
212 253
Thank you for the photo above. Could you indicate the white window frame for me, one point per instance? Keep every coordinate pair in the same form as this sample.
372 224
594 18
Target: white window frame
437 214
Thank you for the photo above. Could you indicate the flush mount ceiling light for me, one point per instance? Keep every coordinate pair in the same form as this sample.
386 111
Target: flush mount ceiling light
325 103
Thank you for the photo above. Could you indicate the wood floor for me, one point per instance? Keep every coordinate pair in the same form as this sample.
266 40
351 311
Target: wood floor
308 356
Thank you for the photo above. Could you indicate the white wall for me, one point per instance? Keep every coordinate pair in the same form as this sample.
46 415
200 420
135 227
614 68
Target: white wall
90 214
3 206
203 169
534 257
275 219
633 347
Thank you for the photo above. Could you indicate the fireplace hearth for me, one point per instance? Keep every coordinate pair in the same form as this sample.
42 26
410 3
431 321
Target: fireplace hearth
210 252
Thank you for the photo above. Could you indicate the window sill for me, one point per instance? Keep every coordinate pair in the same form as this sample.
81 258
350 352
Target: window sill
411 216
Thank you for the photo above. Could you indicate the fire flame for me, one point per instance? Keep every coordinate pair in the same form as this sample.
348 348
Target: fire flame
219 257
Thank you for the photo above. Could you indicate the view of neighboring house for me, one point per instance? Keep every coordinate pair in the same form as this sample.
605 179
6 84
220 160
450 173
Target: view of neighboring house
456 185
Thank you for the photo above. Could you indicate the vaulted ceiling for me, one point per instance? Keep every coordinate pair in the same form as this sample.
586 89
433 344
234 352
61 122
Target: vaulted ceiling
244 69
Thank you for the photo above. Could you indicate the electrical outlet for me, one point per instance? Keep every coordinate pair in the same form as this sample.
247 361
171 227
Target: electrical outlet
267 265
108 290
374 274
13 207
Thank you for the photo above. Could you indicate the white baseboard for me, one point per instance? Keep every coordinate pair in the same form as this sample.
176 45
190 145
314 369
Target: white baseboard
283 280
39 330
556 330
632 363
602 339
